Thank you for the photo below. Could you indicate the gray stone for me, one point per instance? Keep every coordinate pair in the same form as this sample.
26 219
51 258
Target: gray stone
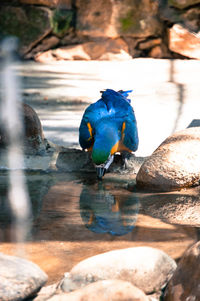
19 278
112 290
185 284
174 164
147 268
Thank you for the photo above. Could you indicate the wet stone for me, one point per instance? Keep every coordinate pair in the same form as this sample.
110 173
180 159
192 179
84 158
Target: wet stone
19 278
147 268
174 208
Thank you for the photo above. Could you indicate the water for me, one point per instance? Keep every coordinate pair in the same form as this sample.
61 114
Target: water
75 216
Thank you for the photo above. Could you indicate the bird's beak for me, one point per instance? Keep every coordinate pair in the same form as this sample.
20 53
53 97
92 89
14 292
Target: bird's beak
100 172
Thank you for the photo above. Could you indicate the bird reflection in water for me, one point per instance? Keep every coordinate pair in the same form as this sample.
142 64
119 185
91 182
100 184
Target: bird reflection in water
104 210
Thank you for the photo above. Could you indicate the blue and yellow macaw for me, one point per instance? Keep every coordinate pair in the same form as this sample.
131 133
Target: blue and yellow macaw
109 126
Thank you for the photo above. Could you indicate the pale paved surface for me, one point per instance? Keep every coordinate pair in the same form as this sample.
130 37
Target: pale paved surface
165 97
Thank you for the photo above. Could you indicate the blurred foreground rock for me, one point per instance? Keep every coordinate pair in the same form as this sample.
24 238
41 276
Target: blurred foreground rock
112 290
147 268
174 164
185 283
19 278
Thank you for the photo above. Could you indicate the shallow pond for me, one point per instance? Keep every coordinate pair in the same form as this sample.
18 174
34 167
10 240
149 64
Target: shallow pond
75 216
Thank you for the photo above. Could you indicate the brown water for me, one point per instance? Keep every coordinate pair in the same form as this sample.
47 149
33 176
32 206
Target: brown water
75 217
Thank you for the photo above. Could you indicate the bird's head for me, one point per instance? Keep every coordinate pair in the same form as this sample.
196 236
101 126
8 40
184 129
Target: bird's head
102 162
102 152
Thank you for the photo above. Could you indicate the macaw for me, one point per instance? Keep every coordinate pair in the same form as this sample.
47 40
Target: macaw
108 126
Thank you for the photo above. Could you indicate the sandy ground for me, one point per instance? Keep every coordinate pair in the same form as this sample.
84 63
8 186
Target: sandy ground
165 95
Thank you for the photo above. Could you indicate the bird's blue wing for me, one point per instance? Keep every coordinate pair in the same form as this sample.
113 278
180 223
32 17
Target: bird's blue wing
130 131
85 134
87 127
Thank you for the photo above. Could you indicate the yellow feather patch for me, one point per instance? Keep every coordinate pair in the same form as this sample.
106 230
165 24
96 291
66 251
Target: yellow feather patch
90 130
123 129
115 148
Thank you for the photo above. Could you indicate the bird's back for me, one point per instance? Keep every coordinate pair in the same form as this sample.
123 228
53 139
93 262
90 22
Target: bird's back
112 109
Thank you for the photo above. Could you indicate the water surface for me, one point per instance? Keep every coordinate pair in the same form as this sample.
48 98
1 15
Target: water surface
75 216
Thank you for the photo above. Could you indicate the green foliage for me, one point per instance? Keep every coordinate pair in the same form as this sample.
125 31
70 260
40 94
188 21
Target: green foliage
61 21
128 22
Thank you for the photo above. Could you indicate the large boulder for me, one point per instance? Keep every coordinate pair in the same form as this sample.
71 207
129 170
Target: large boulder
184 285
19 278
118 18
174 164
29 23
147 268
184 42
114 290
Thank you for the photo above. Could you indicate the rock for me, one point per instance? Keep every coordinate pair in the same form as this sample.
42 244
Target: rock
101 49
118 18
149 43
62 21
110 56
34 141
19 278
190 19
147 268
112 290
184 285
45 57
184 42
175 208
106 49
46 44
174 164
47 292
75 52
60 4
73 160
29 23
156 52
182 3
